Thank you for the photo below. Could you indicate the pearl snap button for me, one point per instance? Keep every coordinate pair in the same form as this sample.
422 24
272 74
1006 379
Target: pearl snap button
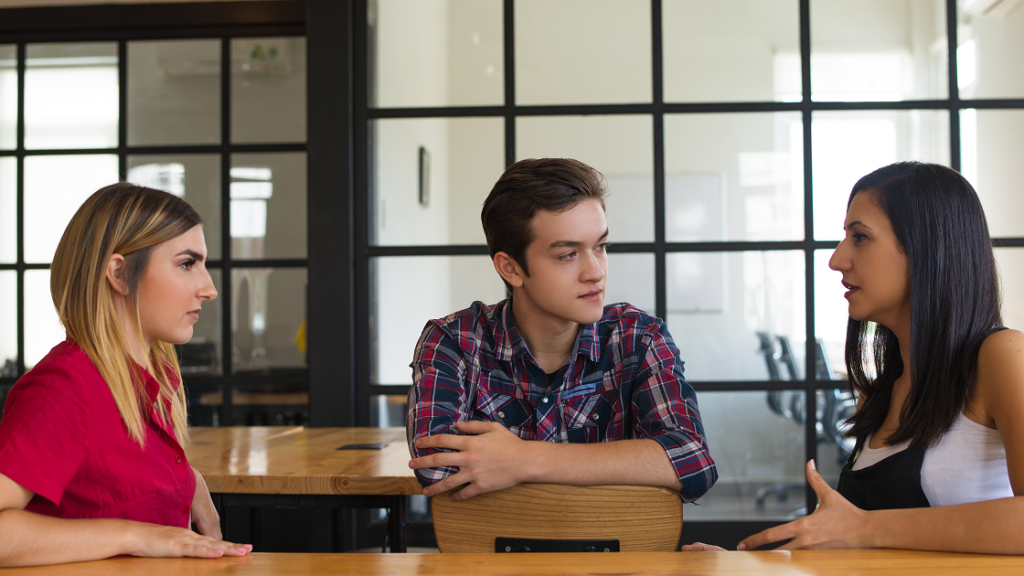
501 414
544 399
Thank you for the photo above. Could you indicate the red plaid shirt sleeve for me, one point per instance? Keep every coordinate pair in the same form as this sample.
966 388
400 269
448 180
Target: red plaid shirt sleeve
666 412
437 399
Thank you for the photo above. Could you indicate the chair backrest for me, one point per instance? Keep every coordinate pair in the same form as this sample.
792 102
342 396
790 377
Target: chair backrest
642 518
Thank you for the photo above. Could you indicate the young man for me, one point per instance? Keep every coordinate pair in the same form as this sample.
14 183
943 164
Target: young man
550 385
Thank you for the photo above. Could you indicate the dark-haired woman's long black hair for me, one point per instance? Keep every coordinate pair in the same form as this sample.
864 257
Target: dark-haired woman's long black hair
954 302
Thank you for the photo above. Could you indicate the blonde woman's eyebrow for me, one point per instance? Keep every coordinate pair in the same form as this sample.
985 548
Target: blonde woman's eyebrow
193 254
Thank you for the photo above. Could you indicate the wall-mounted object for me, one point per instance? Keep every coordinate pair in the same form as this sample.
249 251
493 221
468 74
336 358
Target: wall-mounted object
424 177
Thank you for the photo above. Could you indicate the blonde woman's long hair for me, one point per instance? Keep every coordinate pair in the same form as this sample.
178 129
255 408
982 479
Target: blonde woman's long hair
129 220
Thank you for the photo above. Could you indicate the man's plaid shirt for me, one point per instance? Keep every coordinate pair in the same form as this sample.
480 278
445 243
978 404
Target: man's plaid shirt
624 380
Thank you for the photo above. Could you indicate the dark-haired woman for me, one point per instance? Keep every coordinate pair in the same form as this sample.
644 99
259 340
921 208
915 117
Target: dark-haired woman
939 462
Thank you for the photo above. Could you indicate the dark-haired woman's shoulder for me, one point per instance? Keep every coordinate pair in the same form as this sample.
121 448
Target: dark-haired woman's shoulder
998 396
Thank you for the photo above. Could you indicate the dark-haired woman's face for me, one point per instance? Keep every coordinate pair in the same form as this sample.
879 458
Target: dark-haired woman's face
876 270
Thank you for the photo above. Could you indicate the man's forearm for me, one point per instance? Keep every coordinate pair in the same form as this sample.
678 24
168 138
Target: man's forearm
638 462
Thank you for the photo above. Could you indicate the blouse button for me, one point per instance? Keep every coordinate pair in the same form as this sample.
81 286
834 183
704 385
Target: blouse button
185 509
177 459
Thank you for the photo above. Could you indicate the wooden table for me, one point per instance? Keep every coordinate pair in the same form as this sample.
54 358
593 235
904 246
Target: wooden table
297 467
814 562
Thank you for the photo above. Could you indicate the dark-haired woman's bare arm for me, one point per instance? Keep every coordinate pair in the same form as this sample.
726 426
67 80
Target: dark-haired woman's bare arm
993 526
35 540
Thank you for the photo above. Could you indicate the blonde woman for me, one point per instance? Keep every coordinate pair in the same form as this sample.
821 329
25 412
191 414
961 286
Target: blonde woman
91 457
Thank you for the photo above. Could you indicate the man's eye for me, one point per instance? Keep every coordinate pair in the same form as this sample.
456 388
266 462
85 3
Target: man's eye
568 256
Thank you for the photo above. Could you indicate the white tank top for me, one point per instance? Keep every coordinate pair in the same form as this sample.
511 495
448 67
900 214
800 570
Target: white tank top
968 464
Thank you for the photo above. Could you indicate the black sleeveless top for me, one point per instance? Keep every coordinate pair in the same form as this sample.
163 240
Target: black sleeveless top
895 482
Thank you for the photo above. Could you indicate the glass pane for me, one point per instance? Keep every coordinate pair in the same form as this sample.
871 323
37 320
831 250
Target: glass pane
991 39
848 145
8 325
436 53
8 209
582 51
8 96
55 187
878 50
1010 263
268 90
990 141
194 177
431 177
174 92
731 50
738 315
202 354
734 177
268 315
43 330
833 408
444 284
71 96
757 441
620 147
631 279
831 314
268 205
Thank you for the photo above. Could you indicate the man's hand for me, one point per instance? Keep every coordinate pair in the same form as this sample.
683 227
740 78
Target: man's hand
835 524
490 458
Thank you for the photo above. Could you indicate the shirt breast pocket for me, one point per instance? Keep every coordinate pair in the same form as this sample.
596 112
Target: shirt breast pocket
588 418
509 411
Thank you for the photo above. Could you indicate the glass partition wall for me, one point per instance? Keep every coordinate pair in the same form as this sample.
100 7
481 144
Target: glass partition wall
730 134
219 121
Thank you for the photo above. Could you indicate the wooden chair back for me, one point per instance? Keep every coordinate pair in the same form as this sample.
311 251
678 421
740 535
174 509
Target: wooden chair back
642 518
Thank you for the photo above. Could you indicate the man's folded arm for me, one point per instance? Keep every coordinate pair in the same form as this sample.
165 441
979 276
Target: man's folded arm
666 411
437 399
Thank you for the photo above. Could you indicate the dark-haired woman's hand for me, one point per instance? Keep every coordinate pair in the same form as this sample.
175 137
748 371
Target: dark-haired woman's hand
701 547
835 524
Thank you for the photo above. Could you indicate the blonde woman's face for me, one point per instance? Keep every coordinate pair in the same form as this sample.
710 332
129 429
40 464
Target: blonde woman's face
173 288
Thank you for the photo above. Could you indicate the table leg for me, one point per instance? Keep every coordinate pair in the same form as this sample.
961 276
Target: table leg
256 528
397 523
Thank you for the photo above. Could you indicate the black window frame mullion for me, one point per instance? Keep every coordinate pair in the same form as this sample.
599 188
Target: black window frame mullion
954 86
20 205
658 126
365 309
122 109
810 344
227 310
508 109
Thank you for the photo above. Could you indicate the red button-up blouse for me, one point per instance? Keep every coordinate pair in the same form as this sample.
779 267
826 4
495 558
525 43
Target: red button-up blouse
62 437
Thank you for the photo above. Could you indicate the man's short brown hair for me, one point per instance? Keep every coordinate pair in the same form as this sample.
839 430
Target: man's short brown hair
553 184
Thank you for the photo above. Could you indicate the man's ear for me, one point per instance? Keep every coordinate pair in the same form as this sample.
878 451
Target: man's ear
509 269
116 274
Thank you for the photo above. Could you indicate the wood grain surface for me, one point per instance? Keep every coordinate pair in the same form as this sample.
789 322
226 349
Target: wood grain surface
642 518
298 460
814 562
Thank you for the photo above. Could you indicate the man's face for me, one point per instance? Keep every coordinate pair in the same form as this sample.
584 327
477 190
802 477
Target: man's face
568 264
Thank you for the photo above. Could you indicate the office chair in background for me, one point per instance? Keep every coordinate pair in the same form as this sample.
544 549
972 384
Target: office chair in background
833 407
